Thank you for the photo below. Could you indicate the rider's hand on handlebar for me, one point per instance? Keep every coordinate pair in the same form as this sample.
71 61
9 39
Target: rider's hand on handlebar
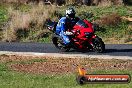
68 33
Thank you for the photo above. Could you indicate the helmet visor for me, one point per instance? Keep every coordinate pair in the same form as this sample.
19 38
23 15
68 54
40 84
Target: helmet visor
71 15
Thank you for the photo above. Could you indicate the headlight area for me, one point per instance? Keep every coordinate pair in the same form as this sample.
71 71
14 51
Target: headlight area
88 34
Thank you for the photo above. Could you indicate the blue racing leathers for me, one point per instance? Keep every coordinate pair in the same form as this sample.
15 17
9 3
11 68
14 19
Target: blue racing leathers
63 25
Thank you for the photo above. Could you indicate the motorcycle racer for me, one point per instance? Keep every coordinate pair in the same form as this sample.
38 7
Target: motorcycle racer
66 24
74 33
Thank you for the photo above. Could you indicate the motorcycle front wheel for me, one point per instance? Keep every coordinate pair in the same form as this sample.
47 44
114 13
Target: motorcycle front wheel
98 45
58 42
81 80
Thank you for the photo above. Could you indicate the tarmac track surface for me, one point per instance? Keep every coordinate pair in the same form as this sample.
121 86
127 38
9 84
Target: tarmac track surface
120 50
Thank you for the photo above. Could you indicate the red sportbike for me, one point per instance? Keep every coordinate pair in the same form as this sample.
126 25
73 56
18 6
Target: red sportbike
82 37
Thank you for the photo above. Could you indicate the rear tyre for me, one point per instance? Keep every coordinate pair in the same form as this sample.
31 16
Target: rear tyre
58 42
98 45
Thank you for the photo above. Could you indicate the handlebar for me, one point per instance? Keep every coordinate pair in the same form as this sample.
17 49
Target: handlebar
72 32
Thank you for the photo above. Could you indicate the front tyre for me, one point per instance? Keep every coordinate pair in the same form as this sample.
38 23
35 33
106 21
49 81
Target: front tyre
81 80
98 45
58 42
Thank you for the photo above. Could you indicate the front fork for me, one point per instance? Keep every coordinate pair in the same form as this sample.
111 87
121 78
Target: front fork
91 40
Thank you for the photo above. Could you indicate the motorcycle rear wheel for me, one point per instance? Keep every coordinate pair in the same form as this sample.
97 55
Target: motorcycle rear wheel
98 45
58 42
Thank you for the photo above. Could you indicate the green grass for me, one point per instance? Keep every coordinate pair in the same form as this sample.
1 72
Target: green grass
3 18
118 31
45 40
12 79
3 14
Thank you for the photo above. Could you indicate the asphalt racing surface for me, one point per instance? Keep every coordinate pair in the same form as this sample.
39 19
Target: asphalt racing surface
111 49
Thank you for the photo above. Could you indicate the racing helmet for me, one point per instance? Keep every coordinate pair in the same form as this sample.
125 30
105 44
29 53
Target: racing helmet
70 12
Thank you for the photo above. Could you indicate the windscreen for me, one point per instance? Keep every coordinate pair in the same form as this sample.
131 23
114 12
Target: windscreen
82 23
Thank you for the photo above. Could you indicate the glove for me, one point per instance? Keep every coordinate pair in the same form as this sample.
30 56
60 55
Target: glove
68 33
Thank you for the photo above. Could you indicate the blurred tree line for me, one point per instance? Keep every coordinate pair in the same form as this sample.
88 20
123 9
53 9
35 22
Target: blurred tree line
75 2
